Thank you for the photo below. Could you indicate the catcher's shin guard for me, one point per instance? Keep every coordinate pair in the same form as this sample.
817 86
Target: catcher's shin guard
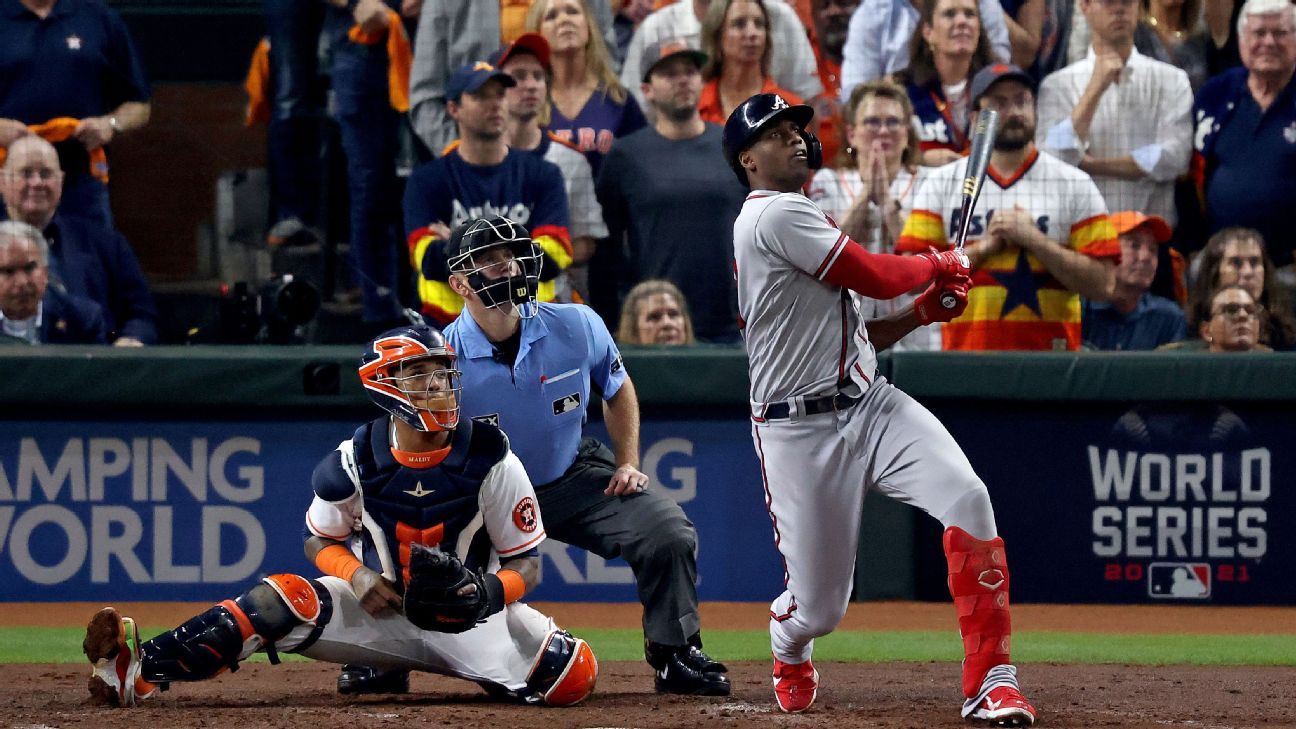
978 582
564 671
224 635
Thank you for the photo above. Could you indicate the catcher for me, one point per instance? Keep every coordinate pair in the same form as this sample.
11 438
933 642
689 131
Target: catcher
425 528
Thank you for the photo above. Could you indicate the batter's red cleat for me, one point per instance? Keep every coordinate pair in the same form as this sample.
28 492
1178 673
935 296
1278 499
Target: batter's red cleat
795 686
1000 701
113 647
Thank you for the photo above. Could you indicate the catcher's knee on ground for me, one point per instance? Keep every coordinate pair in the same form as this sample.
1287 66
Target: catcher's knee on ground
225 634
564 671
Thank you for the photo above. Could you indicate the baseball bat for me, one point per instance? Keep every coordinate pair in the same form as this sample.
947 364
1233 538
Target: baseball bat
978 162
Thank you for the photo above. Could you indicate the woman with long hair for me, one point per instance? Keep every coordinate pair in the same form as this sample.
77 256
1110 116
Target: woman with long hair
1237 256
1231 320
1179 36
947 50
736 40
655 313
588 105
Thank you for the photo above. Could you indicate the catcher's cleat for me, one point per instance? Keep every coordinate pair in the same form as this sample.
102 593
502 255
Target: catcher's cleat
795 686
687 670
356 679
113 647
1000 701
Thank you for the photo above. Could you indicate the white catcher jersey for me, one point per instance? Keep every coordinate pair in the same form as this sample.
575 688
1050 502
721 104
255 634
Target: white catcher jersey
802 333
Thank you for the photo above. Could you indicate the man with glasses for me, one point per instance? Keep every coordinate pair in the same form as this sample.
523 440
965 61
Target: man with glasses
1246 131
1120 116
1039 239
87 259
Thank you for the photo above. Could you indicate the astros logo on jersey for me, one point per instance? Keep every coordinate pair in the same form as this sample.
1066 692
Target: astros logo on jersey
524 515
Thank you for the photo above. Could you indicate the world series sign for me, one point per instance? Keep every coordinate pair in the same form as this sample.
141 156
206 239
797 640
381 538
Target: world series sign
1150 503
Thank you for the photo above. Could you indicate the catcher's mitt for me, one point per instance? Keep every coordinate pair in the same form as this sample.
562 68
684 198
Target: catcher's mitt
432 599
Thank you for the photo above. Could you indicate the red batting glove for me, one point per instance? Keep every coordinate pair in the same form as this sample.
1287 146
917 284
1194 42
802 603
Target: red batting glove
928 308
948 264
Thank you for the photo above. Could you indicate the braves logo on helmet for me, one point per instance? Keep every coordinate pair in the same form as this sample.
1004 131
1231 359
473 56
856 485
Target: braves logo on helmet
402 375
744 126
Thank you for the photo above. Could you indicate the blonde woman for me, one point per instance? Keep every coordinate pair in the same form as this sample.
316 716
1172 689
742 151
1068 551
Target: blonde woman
589 106
655 313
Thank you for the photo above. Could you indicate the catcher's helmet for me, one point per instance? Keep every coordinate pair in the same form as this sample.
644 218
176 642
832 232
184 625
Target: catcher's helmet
494 281
753 115
400 374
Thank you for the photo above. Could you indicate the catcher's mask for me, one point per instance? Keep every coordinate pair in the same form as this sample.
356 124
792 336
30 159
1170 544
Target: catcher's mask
410 372
500 262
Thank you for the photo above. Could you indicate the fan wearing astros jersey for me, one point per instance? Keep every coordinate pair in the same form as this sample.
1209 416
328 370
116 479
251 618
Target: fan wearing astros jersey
1038 241
420 476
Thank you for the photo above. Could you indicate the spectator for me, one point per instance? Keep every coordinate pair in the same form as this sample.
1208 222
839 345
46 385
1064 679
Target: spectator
1120 116
655 313
829 21
479 176
1039 241
70 74
881 33
1025 20
871 191
1221 18
589 106
32 311
792 61
628 17
84 258
1246 131
663 193
1055 33
1230 321
736 40
452 33
527 61
1237 256
1135 319
1179 36
947 50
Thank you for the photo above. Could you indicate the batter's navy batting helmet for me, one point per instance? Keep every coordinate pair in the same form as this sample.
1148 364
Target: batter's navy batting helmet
753 115
517 286
393 374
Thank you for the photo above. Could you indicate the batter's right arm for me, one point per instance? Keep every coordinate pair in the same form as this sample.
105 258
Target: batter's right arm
925 310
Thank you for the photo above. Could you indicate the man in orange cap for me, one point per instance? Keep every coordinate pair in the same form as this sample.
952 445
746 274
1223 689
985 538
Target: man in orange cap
1135 319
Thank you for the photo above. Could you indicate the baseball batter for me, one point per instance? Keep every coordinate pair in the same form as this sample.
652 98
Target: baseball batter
828 429
425 528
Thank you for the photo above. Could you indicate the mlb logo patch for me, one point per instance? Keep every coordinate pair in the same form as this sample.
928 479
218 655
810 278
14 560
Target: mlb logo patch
567 403
1179 580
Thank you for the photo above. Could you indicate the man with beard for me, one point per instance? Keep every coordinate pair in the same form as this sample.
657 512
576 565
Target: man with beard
1040 237
479 176
1135 319
663 195
831 19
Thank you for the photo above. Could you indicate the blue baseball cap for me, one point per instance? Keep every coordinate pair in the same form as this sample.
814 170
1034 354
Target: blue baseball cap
471 77
996 72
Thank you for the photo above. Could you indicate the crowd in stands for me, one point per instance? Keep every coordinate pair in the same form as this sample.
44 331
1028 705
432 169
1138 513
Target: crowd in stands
1146 155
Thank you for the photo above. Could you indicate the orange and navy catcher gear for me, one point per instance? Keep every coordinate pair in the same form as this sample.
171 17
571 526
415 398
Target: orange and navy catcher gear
751 117
396 370
500 282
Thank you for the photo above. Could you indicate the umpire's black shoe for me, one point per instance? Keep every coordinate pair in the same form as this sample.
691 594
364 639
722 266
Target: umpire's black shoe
687 670
357 679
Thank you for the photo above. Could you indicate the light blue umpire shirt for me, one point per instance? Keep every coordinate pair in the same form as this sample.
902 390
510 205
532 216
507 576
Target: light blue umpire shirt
540 402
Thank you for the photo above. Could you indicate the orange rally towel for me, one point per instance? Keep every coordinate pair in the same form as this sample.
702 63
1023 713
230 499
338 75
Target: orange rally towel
257 85
399 57
60 129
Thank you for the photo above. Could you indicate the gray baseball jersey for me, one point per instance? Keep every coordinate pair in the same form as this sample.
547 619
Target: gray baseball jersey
803 335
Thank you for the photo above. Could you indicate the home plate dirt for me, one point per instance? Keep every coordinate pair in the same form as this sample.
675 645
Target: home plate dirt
918 695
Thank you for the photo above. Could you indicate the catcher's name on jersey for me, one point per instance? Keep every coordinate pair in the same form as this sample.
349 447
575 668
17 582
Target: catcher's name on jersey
1015 303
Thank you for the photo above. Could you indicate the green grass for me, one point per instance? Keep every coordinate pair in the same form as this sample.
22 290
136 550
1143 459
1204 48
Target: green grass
63 645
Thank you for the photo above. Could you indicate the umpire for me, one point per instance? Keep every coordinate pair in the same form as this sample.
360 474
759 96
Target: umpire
530 367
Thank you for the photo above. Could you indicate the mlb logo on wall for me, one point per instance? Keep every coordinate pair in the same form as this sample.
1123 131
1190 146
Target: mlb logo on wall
1179 580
